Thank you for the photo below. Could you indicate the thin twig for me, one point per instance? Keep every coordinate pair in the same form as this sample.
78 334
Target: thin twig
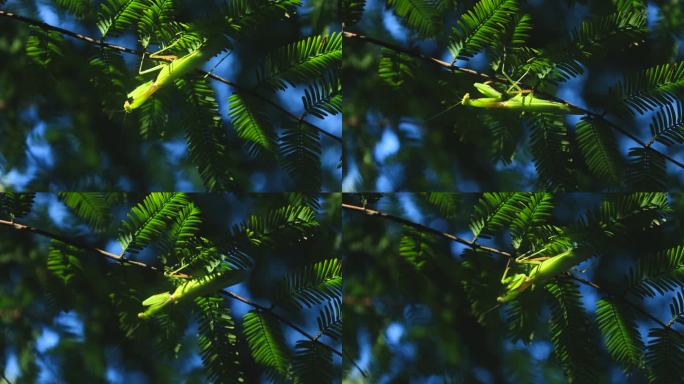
119 48
67 32
76 243
424 228
623 299
79 244
486 77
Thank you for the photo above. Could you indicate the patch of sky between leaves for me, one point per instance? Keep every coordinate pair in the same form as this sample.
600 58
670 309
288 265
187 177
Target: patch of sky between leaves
12 369
387 146
351 177
393 26
20 179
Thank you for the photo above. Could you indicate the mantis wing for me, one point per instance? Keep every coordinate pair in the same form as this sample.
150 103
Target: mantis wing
156 299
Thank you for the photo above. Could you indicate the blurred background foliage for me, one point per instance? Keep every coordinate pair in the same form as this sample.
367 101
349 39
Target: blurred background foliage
62 124
404 131
420 308
69 315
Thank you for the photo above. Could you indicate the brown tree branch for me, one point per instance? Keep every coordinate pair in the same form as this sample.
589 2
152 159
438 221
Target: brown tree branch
79 244
423 228
119 48
486 77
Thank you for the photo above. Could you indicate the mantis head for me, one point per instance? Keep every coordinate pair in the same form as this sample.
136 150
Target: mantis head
139 95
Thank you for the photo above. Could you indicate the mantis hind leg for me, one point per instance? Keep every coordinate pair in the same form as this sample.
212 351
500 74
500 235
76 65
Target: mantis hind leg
156 55
515 84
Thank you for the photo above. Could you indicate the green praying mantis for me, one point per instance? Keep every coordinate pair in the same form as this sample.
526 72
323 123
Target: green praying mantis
191 289
545 268
516 99
174 68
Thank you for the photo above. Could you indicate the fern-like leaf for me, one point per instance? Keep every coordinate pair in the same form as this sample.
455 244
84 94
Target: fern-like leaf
80 8
117 15
667 126
329 319
571 333
266 342
291 220
599 148
493 212
416 247
153 118
218 341
506 132
396 68
447 204
313 363
15 204
149 219
244 17
646 170
44 46
659 273
550 146
620 333
534 211
156 15
422 16
250 123
350 11
300 150
206 136
619 212
93 207
302 61
312 285
647 90
64 261
677 308
665 356
183 229
482 27
323 97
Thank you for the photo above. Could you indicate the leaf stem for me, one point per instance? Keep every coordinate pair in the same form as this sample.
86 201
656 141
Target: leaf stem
424 228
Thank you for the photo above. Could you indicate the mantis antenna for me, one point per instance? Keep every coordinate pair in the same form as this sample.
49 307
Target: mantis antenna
443 112
217 64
